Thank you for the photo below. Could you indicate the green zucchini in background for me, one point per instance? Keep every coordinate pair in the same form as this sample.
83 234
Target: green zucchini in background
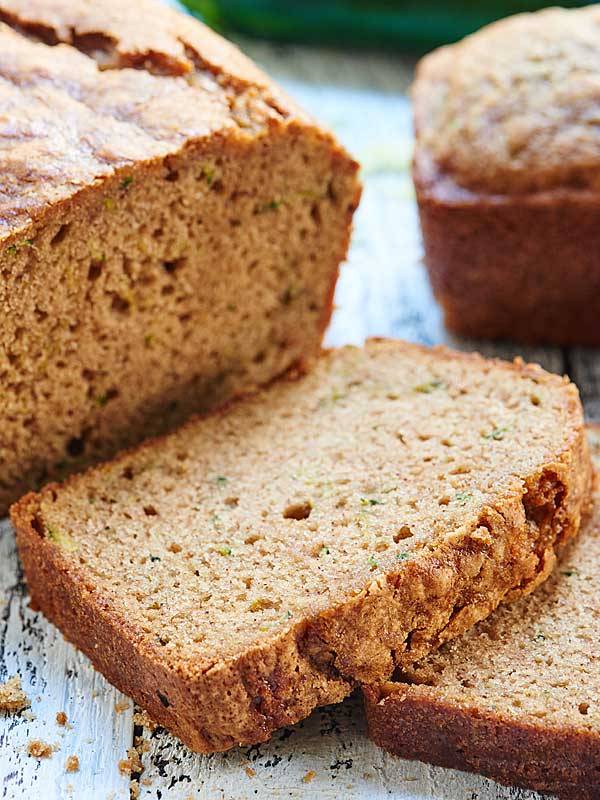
368 23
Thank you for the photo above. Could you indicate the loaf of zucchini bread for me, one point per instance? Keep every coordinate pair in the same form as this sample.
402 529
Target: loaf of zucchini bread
507 176
258 562
171 226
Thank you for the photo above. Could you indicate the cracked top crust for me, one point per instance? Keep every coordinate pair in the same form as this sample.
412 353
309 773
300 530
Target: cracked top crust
516 106
141 33
88 89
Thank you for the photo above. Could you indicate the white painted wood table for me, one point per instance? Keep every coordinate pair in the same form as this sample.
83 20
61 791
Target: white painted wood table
383 290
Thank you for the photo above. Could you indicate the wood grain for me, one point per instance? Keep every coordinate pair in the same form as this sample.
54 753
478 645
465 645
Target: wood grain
327 756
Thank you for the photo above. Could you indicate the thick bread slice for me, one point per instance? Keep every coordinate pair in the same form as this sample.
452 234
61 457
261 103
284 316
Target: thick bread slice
259 561
517 698
169 235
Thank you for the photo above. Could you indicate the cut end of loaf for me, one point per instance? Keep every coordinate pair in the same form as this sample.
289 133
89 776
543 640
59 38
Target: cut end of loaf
177 559
190 254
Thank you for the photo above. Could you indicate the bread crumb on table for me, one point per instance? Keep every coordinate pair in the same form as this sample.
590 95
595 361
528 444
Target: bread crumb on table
309 776
250 772
72 764
132 763
13 699
61 718
134 789
144 720
141 745
121 705
38 748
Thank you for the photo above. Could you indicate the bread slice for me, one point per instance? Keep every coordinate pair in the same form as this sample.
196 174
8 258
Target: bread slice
261 560
171 226
507 177
517 697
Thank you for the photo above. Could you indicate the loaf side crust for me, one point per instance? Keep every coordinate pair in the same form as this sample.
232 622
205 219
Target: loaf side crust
523 266
400 616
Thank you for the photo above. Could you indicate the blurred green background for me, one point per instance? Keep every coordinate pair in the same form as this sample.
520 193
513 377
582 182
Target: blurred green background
379 23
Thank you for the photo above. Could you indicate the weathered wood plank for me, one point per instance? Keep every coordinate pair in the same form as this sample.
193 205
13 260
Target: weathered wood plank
327 756
56 678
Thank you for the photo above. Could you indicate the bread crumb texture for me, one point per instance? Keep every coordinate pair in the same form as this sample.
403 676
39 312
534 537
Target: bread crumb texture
72 764
132 763
513 108
142 719
516 697
61 718
38 748
419 488
183 219
13 699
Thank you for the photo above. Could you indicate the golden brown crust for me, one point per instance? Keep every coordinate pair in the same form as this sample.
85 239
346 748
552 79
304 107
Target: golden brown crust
398 616
497 264
144 34
508 109
47 163
204 86
165 210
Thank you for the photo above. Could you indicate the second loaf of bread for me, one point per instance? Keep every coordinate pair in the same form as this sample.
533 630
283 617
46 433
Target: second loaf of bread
507 175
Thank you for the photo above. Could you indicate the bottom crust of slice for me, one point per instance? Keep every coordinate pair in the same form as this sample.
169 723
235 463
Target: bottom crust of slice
413 723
